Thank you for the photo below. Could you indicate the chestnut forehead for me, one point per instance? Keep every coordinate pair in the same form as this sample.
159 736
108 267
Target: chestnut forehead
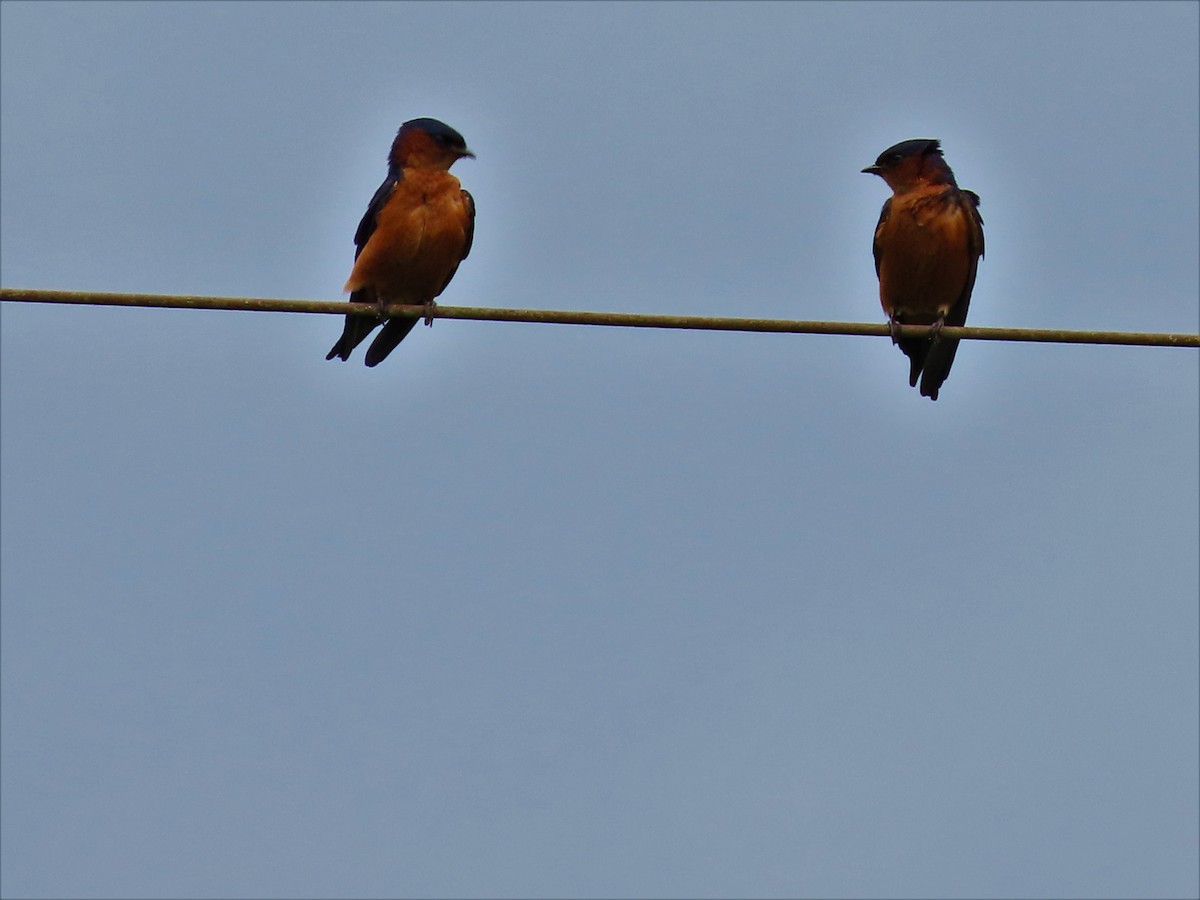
435 128
413 138
418 140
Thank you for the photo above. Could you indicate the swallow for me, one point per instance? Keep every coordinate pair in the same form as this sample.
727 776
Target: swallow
928 244
418 228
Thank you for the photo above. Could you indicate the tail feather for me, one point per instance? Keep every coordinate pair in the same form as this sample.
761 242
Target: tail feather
356 328
937 366
356 331
385 342
929 362
916 349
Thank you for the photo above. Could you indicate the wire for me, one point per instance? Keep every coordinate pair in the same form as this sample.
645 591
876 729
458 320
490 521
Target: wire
627 320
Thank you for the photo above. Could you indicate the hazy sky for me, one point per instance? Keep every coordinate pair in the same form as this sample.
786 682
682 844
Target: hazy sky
541 610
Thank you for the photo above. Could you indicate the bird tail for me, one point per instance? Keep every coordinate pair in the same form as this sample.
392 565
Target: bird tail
938 360
356 329
916 349
385 342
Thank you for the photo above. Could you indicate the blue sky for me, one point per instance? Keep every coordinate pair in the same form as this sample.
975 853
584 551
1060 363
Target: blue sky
538 610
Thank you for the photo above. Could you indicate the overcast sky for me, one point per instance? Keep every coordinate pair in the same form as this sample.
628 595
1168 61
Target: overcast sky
543 610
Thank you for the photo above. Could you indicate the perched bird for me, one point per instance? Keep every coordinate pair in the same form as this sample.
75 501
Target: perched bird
928 244
418 228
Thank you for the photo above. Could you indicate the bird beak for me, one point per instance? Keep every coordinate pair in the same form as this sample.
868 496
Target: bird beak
872 170
467 153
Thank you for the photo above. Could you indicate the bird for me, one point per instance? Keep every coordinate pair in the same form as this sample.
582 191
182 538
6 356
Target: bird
927 248
417 229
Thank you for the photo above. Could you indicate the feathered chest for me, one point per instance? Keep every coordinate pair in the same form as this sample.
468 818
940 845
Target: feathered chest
924 253
421 233
424 209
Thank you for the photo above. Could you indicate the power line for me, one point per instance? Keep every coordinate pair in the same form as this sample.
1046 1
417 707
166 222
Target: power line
626 320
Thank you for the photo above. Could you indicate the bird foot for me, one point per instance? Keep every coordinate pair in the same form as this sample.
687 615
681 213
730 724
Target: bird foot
429 310
894 328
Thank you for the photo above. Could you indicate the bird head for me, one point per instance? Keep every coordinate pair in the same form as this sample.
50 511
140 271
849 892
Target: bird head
912 162
427 143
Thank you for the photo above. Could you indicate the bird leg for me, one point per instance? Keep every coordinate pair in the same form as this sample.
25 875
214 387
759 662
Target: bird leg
429 308
894 328
935 330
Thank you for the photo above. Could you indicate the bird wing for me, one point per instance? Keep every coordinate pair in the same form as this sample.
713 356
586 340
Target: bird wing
969 202
370 219
358 327
469 229
941 352
876 249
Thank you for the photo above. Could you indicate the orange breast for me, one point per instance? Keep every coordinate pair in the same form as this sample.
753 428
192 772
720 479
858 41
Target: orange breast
419 239
924 258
